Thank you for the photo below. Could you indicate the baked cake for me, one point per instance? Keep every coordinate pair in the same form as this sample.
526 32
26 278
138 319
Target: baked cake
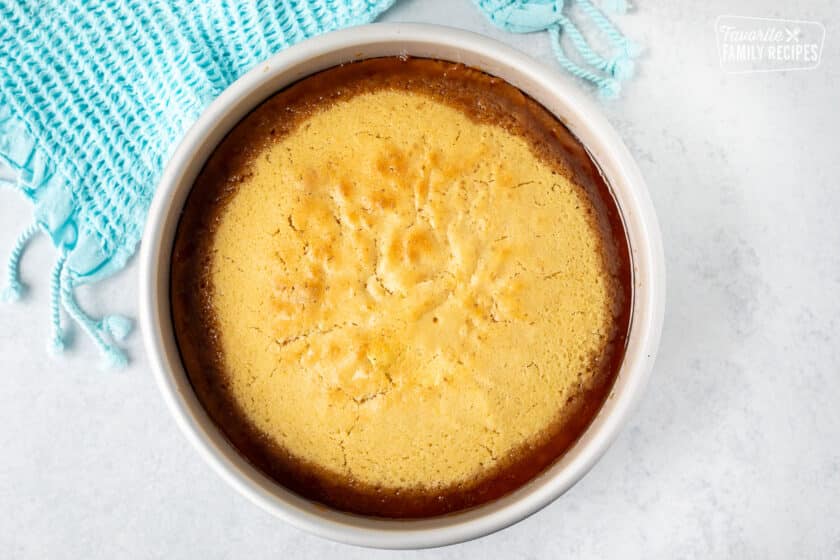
401 288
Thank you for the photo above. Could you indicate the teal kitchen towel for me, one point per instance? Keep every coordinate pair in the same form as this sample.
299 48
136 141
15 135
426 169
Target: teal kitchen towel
95 94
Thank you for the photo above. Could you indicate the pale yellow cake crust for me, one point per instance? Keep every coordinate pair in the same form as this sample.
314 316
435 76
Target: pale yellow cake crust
404 296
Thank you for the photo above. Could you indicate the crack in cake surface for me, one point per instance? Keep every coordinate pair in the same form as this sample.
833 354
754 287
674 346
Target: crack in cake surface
419 221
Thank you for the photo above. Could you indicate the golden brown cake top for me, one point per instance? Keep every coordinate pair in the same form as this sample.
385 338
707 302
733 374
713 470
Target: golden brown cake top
400 284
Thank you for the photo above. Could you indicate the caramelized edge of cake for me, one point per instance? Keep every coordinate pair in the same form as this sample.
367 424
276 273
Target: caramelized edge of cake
485 99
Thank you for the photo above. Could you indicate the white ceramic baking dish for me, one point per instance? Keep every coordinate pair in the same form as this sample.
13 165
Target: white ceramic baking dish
544 84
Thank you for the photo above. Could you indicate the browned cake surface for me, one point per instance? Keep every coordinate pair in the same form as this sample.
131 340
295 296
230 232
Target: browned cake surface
401 287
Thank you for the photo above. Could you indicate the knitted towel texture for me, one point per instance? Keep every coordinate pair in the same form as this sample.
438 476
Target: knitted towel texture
95 94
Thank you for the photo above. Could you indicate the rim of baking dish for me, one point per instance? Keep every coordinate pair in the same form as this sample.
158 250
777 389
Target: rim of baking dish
559 96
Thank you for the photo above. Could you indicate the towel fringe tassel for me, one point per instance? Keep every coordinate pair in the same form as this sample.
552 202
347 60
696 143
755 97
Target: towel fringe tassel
15 289
115 327
620 66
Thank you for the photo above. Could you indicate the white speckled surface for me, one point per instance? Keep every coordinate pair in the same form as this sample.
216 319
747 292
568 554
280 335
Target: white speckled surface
733 451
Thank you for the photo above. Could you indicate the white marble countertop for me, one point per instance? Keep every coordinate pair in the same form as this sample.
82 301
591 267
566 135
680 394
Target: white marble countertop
733 451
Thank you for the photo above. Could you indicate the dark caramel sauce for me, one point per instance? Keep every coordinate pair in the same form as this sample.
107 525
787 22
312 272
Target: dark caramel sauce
484 98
